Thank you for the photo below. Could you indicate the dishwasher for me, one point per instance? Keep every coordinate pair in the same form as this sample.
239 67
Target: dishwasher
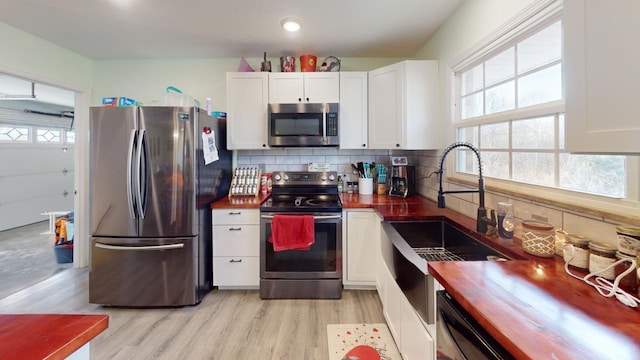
460 337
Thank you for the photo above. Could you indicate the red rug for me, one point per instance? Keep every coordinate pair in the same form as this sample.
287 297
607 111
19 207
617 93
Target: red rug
361 341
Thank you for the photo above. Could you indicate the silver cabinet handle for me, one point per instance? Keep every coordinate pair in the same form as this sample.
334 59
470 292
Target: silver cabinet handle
139 248
235 261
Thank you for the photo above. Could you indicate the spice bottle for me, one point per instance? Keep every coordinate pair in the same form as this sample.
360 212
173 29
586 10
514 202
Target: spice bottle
340 184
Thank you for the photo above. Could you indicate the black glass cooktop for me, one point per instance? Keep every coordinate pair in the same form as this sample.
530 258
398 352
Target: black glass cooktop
302 203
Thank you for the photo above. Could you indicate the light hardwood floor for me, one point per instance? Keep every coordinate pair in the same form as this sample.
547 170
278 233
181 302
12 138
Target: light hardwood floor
226 325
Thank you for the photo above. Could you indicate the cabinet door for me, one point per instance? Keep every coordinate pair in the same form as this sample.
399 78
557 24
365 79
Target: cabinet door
247 100
362 244
353 110
385 107
322 87
602 77
416 343
236 216
286 88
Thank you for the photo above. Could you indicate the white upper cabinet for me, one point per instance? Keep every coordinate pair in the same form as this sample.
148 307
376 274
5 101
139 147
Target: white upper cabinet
247 101
353 110
308 87
403 106
602 76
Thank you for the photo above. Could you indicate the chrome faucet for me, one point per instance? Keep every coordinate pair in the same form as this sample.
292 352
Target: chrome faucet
482 220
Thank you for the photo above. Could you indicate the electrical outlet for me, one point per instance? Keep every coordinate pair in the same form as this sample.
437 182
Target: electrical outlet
540 218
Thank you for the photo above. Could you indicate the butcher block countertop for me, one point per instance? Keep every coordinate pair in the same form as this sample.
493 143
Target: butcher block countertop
47 336
529 304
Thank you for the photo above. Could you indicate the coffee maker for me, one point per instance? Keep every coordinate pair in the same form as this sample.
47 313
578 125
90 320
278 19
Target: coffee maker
403 181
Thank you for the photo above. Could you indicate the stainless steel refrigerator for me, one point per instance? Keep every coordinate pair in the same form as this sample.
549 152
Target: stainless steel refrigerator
151 192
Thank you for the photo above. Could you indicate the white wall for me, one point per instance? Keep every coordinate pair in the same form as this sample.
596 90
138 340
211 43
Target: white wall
145 80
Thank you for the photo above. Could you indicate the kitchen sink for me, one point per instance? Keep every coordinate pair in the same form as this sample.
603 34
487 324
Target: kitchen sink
441 241
414 244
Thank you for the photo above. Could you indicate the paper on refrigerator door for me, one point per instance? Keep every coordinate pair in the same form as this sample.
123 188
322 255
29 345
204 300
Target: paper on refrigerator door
209 147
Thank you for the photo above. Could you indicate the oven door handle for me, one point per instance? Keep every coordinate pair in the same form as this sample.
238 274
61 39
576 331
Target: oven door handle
320 217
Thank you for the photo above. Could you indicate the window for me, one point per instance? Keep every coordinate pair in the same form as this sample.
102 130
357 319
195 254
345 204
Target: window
511 107
18 134
14 134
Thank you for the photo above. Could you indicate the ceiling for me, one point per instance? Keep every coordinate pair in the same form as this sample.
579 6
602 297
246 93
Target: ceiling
143 29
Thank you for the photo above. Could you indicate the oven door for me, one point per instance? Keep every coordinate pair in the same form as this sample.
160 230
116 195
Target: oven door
322 261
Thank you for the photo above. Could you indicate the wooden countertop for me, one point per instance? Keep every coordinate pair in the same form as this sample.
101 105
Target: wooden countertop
43 336
240 202
536 311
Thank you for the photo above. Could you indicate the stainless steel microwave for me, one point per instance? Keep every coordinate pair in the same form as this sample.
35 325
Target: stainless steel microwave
307 124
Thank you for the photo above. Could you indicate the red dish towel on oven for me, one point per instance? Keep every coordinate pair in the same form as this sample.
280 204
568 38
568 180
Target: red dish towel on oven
292 232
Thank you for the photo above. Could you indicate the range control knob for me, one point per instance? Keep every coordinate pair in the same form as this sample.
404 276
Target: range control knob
323 178
286 177
277 177
332 178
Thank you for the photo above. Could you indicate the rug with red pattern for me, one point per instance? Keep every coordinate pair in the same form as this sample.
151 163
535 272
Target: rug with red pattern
361 342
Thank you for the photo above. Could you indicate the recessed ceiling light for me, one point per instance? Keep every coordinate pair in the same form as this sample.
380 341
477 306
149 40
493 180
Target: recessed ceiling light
291 24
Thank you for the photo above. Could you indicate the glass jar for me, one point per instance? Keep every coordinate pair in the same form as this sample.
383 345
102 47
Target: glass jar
628 239
581 251
629 282
506 221
602 255
538 238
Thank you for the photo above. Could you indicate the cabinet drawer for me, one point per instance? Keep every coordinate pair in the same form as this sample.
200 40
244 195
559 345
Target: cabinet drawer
236 240
236 216
236 271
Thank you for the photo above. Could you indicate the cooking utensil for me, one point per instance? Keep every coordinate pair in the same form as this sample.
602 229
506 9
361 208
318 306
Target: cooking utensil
354 167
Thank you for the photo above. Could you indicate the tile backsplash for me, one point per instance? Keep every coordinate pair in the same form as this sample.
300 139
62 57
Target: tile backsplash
297 159
427 162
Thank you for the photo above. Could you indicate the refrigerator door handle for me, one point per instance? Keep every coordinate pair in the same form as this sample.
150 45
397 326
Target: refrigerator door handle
140 248
130 199
142 153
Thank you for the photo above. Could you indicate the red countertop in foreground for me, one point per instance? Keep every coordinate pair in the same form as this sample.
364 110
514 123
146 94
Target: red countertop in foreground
536 311
44 336
530 305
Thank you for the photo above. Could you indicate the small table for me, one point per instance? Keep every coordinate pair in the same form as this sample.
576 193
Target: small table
52 220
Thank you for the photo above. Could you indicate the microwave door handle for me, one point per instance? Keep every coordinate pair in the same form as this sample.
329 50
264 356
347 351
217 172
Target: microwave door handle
324 123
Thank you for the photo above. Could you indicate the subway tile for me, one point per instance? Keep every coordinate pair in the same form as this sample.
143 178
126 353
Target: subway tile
305 159
288 160
593 229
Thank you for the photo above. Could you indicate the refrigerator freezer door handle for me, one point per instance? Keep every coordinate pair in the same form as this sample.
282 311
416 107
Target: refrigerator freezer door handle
139 248
130 200
139 179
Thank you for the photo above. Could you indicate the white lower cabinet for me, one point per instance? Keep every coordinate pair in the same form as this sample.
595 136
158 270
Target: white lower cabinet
361 235
416 343
236 248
